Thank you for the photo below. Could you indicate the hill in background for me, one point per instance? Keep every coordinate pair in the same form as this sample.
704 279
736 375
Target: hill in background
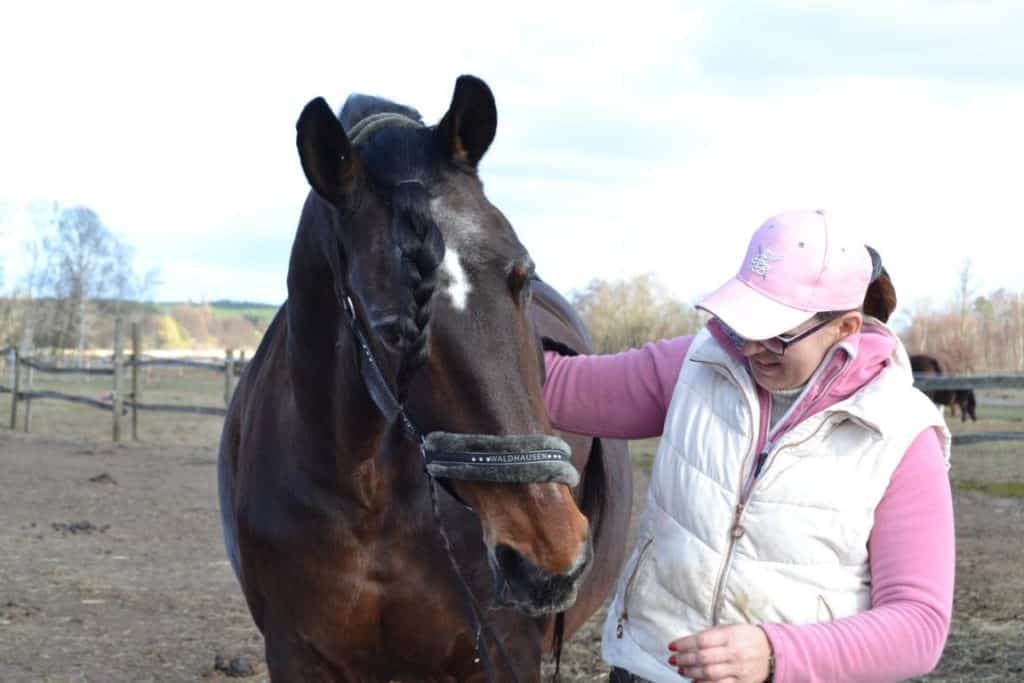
164 325
220 324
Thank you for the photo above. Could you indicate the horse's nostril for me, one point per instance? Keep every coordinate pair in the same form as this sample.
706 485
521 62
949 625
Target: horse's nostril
514 566
524 584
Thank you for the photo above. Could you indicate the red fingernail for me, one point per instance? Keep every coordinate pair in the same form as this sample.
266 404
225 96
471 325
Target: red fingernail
672 660
672 646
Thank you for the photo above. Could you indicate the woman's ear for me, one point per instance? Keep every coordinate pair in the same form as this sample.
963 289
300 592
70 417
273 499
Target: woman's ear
850 323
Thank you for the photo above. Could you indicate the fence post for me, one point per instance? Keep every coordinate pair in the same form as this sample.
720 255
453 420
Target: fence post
117 398
15 389
28 402
229 374
136 394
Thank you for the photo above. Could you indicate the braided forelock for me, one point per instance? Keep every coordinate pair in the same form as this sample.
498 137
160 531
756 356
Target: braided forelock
422 248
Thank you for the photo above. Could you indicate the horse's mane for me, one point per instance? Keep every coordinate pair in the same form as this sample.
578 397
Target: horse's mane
419 238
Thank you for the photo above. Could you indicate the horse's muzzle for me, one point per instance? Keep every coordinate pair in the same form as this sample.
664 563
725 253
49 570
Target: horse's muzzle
522 585
513 459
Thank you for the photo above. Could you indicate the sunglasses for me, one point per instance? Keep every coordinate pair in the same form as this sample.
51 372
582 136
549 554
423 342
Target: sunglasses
775 345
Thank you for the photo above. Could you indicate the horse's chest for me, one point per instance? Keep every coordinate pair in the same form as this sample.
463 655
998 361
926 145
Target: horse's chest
388 602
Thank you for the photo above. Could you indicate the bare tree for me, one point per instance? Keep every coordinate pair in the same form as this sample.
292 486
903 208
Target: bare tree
76 264
965 292
81 256
125 283
629 313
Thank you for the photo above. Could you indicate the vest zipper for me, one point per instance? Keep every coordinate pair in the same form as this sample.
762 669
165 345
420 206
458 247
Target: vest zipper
736 531
624 616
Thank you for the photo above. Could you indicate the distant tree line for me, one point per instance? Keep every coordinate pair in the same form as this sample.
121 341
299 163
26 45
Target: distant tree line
974 333
970 333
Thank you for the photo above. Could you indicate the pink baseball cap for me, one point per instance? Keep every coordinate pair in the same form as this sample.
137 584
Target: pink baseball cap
797 264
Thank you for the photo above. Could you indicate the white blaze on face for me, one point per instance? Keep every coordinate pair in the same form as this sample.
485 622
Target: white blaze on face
458 286
460 232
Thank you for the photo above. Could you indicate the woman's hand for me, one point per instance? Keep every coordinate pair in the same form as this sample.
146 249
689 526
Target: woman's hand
739 653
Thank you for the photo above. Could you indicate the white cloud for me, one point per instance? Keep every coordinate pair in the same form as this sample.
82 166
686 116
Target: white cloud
628 142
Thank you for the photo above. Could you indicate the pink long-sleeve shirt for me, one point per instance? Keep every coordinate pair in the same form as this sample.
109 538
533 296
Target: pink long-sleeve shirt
911 548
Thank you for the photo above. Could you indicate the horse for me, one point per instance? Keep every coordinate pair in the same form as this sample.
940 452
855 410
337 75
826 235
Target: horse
394 501
964 399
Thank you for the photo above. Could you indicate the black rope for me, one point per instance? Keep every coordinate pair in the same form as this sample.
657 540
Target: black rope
478 622
556 646
479 641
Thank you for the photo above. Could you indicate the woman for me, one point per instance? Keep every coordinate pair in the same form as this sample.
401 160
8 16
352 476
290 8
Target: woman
798 524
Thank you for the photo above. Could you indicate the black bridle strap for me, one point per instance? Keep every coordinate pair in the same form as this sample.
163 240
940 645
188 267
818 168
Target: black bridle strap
385 400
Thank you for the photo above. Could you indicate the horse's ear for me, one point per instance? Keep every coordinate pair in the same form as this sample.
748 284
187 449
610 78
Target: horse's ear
467 130
326 154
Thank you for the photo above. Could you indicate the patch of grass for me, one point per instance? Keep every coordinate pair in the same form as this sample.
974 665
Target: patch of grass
1004 489
255 313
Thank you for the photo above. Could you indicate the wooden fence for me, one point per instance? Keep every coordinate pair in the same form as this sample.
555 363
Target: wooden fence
132 400
23 369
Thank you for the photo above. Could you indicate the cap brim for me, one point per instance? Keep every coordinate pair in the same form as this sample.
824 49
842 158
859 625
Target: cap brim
751 314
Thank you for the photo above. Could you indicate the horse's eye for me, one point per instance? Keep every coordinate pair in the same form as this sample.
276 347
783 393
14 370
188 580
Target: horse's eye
389 332
520 282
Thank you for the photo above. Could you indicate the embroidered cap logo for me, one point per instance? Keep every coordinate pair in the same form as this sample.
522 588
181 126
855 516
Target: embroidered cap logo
762 262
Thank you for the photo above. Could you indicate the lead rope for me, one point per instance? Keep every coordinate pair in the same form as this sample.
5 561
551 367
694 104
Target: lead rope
478 623
479 641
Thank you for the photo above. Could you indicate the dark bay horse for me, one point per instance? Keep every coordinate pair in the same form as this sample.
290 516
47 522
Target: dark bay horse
411 343
964 399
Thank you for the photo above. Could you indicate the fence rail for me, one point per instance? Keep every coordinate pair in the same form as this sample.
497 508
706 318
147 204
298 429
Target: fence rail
953 382
177 408
121 402
179 362
35 365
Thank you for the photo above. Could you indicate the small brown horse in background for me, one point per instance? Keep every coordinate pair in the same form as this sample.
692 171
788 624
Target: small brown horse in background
964 399
412 305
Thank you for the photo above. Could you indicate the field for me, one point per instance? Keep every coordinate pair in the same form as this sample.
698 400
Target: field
112 569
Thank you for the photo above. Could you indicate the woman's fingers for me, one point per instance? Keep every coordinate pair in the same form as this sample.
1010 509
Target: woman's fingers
711 655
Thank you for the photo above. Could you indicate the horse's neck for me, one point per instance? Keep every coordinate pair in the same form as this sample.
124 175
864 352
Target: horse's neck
322 357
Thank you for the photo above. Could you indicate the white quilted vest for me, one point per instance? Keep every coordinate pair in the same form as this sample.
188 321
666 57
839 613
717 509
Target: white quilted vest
797 550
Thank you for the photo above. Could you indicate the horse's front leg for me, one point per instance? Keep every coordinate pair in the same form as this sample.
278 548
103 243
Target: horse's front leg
291 659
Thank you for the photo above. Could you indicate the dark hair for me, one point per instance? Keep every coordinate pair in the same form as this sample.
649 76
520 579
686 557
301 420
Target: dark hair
422 250
880 297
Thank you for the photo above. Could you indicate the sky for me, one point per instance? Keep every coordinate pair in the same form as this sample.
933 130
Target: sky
638 138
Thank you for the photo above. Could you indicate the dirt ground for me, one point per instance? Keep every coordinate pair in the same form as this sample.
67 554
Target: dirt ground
112 568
